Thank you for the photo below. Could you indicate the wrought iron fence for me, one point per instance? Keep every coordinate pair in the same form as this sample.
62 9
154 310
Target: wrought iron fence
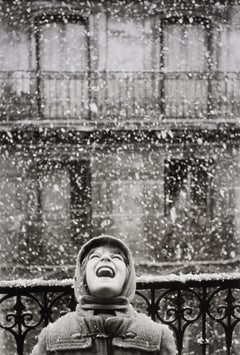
203 311
120 95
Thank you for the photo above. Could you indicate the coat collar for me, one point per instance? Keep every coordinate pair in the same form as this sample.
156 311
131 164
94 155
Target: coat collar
120 306
110 326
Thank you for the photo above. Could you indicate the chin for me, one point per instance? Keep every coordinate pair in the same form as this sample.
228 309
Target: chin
105 293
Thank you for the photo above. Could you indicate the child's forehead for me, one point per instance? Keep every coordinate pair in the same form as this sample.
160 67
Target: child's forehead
105 247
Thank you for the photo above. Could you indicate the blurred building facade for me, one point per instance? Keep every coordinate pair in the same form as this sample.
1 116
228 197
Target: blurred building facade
122 118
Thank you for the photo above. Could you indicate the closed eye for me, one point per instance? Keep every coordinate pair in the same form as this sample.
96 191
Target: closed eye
93 256
118 256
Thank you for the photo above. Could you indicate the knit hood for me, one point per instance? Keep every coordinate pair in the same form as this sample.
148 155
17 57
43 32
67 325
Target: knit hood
80 288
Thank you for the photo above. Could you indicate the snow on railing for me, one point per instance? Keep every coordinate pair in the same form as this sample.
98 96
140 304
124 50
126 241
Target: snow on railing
146 279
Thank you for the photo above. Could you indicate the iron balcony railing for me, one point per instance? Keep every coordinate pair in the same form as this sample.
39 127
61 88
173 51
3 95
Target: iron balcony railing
202 310
119 96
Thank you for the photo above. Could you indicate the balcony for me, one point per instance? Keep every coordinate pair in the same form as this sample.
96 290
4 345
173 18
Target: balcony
119 98
202 310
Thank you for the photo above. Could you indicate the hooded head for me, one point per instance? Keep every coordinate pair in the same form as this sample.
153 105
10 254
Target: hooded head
105 241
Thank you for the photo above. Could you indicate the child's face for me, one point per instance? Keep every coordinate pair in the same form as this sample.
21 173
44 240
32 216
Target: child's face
106 272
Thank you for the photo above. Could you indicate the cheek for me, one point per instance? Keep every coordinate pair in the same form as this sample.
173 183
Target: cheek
90 275
122 275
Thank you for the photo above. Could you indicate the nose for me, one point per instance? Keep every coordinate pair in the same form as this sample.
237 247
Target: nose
106 257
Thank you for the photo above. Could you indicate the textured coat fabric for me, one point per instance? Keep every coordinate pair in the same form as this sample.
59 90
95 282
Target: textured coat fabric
106 328
136 335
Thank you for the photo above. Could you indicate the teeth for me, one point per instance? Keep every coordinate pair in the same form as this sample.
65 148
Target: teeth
105 271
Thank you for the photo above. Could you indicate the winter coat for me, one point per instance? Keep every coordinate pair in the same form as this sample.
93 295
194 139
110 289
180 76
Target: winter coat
138 335
111 327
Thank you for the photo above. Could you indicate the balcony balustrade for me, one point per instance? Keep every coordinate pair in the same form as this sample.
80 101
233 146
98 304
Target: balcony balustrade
120 96
202 310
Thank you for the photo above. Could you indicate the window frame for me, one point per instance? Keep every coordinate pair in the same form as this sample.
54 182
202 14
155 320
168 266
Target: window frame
75 219
192 164
57 18
185 19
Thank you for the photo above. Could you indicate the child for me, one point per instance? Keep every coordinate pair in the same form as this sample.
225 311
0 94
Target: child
104 321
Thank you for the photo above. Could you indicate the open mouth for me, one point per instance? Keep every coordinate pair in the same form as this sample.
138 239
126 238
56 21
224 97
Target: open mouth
105 271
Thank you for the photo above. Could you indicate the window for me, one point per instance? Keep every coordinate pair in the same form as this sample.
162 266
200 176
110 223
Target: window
63 62
228 51
185 61
226 92
188 187
64 194
185 44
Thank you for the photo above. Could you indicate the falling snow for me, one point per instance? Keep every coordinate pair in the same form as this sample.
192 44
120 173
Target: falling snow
109 125
122 118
